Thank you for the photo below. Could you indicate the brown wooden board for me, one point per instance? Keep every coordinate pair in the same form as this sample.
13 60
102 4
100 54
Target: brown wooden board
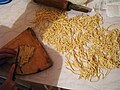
40 59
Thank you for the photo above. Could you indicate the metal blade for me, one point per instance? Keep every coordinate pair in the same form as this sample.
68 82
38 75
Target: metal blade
80 8
16 64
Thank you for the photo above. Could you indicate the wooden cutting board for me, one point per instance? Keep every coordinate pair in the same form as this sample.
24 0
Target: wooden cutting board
39 61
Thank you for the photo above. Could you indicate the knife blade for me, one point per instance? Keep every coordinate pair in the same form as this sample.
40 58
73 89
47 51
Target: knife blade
16 64
80 8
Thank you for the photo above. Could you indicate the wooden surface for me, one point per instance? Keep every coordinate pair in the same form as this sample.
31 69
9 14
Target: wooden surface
60 4
40 59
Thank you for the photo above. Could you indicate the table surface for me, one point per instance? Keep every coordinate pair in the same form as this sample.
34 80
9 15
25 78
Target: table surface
16 16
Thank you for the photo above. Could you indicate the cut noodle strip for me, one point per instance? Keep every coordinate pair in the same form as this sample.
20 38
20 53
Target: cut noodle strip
91 50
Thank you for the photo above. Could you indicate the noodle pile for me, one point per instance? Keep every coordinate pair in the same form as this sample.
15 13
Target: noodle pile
45 17
91 50
26 52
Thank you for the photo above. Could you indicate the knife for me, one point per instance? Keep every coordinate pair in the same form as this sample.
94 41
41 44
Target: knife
16 64
64 5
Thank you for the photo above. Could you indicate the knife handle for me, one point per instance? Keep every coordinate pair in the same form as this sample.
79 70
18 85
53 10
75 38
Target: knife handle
60 4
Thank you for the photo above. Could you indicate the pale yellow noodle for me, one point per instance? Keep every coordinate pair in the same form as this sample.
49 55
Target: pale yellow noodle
91 50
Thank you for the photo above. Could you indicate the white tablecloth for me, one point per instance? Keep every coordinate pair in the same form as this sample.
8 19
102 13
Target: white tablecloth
16 17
